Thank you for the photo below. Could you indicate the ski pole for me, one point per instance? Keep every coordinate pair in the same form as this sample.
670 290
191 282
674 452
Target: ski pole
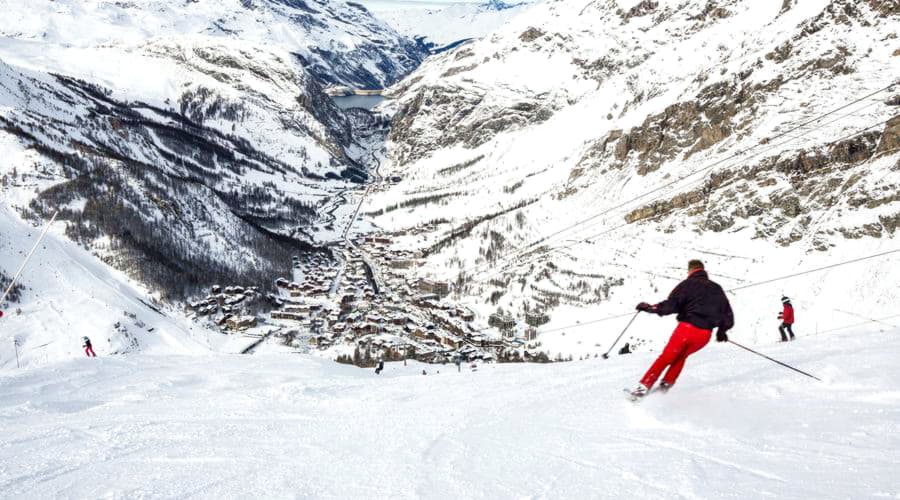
775 360
606 354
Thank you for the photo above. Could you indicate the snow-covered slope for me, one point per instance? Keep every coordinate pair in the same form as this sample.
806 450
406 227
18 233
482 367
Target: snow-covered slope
735 426
68 293
338 42
575 159
448 24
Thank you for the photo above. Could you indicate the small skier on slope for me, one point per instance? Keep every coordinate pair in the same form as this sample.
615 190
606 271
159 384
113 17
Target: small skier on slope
787 319
701 305
88 349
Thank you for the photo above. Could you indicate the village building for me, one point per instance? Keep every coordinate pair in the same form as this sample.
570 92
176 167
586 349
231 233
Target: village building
240 322
464 314
439 288
297 309
287 315
536 318
502 321
378 240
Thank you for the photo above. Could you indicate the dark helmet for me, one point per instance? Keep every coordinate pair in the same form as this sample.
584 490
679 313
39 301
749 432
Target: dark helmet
785 300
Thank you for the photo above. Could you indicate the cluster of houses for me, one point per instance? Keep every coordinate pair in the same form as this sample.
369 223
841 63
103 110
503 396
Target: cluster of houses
368 296
226 306
416 316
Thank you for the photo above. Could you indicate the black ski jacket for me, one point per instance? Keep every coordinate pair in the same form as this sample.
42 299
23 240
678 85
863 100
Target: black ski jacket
700 302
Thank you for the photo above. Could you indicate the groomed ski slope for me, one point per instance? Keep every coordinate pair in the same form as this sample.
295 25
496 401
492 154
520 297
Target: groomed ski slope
291 426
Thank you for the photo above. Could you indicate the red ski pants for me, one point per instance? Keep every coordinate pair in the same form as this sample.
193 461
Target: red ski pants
89 351
686 340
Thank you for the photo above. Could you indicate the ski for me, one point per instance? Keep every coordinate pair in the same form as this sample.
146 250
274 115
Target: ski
635 399
632 397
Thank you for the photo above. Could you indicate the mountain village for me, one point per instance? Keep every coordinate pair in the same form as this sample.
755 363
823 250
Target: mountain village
368 296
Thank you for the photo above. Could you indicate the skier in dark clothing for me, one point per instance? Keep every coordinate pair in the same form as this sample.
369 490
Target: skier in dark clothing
701 305
626 349
88 349
379 368
787 319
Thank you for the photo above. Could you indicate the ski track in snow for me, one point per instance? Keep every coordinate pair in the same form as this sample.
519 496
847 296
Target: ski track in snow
278 425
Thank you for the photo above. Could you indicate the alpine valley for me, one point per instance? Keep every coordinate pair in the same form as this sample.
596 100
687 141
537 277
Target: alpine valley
243 206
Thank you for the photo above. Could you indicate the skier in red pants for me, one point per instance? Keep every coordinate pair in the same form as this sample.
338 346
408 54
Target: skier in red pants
701 305
88 349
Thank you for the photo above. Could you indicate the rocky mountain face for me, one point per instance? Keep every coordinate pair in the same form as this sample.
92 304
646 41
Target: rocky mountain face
187 143
589 144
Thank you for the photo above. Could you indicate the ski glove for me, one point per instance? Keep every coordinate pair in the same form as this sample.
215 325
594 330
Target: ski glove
721 336
645 307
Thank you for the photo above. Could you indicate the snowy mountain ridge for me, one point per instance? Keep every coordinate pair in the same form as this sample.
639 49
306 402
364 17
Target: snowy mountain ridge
338 42
439 28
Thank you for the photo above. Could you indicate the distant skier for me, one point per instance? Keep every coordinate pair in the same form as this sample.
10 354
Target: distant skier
379 368
701 305
626 349
787 319
88 349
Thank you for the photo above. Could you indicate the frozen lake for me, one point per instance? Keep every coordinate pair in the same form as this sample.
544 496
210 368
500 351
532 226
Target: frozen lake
358 101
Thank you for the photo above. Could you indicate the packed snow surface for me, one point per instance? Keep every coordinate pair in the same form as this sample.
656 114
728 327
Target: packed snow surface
218 426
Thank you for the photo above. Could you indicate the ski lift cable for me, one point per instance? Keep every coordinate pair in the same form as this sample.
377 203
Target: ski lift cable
513 255
739 153
704 169
826 214
743 287
27 258
620 226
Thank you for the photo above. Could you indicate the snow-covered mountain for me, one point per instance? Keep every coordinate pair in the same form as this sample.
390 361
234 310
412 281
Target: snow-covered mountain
574 160
338 42
185 144
441 27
